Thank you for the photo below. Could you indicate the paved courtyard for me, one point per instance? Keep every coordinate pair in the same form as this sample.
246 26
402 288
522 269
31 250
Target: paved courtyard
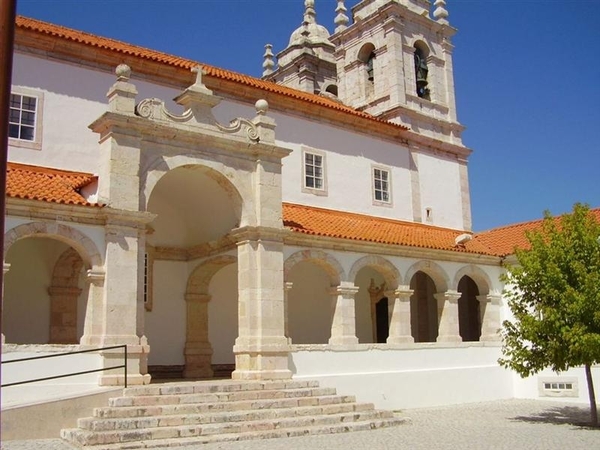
510 424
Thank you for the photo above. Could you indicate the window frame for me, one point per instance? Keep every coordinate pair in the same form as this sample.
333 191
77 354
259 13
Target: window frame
374 189
36 143
311 189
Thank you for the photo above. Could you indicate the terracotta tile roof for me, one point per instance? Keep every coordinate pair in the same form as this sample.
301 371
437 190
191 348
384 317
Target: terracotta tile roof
211 71
45 184
338 224
502 241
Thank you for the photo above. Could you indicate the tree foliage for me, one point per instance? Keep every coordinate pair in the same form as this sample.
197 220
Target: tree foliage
554 295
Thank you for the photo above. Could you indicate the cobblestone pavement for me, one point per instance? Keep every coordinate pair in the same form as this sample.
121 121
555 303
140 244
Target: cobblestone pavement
510 424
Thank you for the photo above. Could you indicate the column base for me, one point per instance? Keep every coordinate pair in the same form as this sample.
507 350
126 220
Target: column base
268 362
119 380
343 340
490 338
400 340
448 339
198 360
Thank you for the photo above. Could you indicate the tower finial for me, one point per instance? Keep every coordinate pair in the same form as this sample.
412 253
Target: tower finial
269 63
310 15
440 14
341 20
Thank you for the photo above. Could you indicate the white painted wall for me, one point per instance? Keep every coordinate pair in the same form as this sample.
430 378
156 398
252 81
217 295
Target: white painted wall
310 305
439 181
223 314
530 387
73 98
426 375
47 367
165 324
26 305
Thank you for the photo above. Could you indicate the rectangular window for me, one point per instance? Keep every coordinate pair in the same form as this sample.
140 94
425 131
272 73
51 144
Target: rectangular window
25 118
21 122
313 171
558 387
381 185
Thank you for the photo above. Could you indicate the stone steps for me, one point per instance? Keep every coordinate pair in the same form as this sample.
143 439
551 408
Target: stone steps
191 408
201 412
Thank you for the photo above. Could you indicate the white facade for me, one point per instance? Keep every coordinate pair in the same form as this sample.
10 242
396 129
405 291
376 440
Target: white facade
189 263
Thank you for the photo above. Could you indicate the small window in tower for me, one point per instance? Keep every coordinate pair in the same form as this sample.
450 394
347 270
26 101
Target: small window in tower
370 75
421 70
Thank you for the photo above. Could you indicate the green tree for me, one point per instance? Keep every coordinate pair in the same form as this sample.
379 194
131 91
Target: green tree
554 295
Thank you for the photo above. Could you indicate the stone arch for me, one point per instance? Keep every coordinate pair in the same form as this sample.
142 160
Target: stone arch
200 277
373 310
435 271
84 246
324 260
64 292
391 275
162 165
365 51
477 274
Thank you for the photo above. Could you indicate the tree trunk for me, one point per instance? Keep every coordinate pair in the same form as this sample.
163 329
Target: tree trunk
590 383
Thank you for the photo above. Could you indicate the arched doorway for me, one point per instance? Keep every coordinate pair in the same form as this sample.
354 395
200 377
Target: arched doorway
423 308
196 208
469 316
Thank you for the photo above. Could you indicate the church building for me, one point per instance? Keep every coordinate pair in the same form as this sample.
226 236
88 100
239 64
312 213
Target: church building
313 224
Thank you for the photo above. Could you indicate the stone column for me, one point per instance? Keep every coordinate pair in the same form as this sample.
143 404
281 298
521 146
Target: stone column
287 288
120 307
93 326
343 326
400 331
63 314
261 349
198 351
490 317
121 311
448 330
5 269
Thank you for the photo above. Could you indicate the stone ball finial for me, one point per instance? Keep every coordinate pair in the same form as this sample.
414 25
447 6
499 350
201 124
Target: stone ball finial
262 106
123 72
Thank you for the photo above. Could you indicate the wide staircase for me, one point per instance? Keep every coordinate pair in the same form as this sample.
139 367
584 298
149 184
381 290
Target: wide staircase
190 413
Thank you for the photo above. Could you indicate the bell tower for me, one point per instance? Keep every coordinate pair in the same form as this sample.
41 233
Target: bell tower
392 60
395 62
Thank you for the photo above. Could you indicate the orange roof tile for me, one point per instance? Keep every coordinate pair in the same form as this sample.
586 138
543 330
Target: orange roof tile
211 71
338 224
45 184
504 240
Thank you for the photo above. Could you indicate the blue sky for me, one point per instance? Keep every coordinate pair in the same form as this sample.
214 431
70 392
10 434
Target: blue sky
527 76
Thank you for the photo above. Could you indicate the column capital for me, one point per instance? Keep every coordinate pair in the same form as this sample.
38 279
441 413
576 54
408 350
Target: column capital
449 296
344 289
494 299
95 275
245 234
197 298
402 292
